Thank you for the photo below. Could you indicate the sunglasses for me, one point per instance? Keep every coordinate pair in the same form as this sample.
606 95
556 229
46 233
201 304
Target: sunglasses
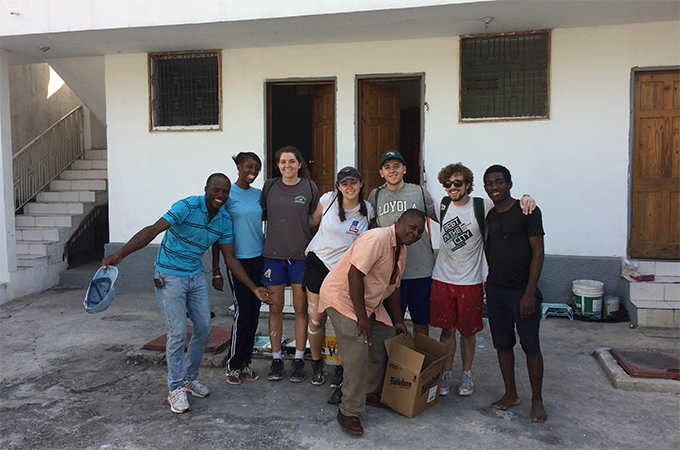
458 183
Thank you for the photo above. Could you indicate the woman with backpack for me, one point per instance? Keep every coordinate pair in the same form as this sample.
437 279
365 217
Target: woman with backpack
343 216
289 202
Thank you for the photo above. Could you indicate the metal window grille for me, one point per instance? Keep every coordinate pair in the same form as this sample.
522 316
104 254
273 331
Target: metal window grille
505 76
185 89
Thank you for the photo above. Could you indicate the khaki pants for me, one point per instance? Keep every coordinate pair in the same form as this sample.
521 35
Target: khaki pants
364 365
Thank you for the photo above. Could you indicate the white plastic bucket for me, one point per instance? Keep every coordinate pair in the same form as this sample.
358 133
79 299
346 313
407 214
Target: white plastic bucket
588 296
609 305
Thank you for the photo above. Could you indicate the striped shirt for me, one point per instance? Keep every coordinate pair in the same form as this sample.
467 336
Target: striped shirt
191 233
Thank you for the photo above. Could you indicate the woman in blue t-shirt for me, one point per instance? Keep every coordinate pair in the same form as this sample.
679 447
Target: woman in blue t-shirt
245 210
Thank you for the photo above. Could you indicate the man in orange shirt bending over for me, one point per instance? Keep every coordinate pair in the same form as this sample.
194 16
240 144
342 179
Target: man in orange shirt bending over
352 294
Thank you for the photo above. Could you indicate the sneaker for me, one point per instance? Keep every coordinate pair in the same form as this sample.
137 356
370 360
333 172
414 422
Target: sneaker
178 400
317 373
234 377
196 388
276 370
298 374
467 387
248 374
446 383
336 380
336 398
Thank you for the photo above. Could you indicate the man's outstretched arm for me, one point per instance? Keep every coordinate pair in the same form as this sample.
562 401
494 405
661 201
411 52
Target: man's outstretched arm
138 241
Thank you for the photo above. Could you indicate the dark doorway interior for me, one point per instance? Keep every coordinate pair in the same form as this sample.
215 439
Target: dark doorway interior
291 120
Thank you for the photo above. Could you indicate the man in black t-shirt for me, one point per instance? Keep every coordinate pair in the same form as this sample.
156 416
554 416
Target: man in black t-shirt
514 251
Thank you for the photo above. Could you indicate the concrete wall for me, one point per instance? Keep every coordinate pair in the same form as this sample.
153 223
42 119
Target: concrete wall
32 111
72 15
7 230
575 164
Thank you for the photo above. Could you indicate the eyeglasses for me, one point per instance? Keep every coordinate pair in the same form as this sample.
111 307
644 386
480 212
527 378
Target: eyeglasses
458 183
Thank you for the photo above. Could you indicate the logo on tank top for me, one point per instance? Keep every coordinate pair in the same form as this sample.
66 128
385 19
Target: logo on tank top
300 199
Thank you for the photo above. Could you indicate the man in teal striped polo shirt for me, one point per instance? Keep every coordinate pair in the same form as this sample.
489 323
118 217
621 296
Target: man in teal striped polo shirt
191 226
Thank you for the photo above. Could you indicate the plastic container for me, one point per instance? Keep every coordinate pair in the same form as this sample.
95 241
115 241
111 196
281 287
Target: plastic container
588 297
609 305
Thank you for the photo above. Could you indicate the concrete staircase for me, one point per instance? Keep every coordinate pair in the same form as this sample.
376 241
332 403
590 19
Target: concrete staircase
656 303
47 224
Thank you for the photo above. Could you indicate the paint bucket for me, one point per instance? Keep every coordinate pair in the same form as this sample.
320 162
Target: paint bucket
588 296
609 305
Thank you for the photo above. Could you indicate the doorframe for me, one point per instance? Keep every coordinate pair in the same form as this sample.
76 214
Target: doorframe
416 76
631 143
268 83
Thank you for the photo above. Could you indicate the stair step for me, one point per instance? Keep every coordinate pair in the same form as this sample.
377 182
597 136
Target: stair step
54 208
43 220
37 235
89 164
66 196
28 261
95 154
91 174
31 248
78 185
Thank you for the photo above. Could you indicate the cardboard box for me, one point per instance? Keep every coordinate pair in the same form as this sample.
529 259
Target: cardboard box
414 373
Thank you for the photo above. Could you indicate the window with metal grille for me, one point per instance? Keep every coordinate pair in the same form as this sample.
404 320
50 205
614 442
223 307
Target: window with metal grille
185 90
505 76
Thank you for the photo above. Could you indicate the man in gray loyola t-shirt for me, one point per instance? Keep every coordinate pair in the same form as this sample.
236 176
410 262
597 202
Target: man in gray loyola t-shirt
390 201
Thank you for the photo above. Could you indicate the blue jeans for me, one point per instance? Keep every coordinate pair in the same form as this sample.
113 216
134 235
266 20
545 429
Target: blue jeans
182 294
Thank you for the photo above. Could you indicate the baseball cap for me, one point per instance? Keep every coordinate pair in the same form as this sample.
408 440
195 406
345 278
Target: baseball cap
348 172
391 154
100 292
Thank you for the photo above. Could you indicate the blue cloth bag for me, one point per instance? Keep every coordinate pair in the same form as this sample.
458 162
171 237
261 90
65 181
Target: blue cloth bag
100 292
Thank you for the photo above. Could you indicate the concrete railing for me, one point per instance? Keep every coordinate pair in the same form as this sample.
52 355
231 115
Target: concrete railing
47 156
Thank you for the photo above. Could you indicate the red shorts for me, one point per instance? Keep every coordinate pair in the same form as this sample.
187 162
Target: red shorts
457 306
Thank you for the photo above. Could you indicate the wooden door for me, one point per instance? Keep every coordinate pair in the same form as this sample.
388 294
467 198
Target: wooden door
322 164
655 183
378 129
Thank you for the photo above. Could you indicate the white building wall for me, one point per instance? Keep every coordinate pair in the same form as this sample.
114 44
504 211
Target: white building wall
7 230
575 164
50 16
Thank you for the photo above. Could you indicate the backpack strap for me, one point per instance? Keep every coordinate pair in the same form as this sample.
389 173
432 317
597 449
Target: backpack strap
329 205
446 201
479 215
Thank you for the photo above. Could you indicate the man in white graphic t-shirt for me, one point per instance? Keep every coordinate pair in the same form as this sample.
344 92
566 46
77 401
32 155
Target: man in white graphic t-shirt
457 294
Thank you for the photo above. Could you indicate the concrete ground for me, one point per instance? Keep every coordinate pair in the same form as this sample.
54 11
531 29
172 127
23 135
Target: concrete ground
66 385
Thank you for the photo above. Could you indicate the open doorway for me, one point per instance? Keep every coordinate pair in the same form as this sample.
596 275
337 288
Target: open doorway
389 119
302 114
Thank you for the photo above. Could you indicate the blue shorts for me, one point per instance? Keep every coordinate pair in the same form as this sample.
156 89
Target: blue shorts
503 311
276 272
416 295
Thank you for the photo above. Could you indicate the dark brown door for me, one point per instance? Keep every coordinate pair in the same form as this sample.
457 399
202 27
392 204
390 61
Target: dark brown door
323 139
655 183
378 129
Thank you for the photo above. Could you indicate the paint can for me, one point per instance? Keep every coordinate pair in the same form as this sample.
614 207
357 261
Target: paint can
609 305
588 297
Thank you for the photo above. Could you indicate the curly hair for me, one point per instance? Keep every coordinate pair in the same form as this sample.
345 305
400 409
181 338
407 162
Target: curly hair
454 169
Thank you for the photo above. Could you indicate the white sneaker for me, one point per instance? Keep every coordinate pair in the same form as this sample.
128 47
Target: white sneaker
446 383
178 400
196 388
467 387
